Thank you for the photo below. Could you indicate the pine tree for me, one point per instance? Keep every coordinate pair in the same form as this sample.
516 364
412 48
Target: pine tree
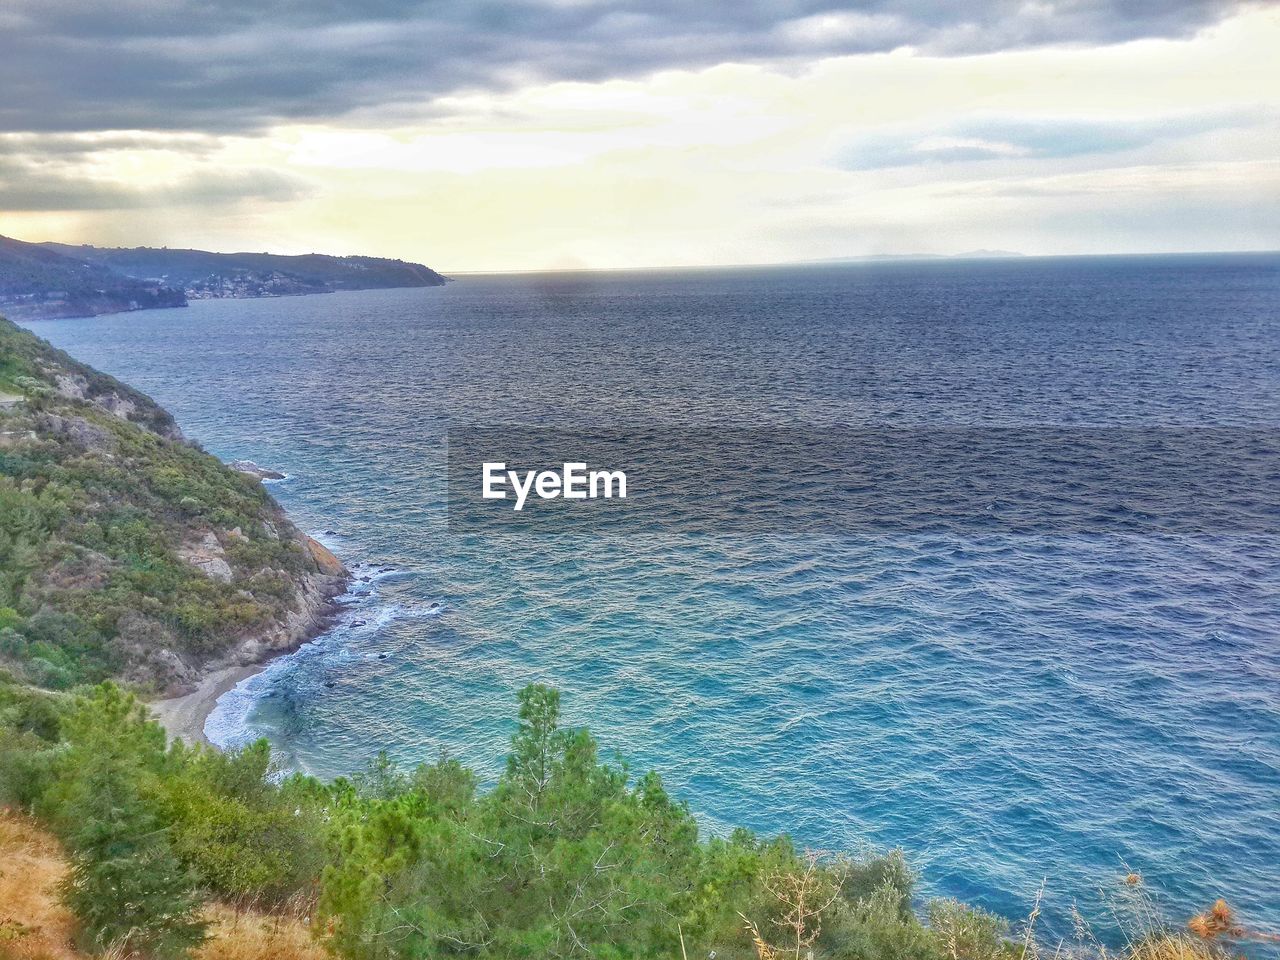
125 885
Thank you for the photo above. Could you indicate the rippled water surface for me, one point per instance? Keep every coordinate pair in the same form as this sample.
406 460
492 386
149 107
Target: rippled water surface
1006 707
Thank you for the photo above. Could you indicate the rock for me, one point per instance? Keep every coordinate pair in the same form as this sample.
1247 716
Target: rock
207 556
90 436
251 468
145 647
15 438
75 386
330 684
329 565
71 386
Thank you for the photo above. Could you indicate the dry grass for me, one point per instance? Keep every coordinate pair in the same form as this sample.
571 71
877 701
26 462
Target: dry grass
1173 946
33 923
35 926
257 936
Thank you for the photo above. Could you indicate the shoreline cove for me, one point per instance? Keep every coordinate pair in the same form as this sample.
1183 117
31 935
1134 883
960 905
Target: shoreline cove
185 715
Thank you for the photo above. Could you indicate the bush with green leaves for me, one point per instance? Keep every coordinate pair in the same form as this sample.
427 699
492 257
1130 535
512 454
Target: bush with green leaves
564 856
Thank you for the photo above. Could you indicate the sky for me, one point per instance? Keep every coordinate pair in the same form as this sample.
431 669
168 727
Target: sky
553 134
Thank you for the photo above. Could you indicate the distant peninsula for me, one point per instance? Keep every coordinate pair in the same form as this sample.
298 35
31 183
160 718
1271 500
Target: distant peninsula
48 280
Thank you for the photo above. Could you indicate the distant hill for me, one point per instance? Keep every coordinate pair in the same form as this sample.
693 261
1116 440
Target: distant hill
37 282
202 274
42 280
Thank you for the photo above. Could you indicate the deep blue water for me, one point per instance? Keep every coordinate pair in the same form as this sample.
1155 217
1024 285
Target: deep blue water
1007 707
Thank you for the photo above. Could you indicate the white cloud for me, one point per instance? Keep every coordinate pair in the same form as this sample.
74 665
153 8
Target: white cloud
873 153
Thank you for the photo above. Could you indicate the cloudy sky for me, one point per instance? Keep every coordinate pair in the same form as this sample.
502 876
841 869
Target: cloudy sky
607 133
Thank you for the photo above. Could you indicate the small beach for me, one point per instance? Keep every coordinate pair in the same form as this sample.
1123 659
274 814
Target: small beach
183 717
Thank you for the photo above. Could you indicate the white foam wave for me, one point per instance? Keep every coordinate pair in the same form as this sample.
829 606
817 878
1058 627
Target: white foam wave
363 615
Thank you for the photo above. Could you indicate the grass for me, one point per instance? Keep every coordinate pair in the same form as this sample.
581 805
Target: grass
34 925
257 936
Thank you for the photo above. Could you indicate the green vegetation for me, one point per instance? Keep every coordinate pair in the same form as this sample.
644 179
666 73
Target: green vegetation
565 856
105 518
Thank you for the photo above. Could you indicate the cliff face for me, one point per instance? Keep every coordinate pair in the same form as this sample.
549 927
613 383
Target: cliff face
126 551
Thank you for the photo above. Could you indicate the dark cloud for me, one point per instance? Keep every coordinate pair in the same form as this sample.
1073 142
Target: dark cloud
42 147
68 65
29 186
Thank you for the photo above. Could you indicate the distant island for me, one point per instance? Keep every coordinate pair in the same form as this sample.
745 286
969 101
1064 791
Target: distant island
48 280
966 255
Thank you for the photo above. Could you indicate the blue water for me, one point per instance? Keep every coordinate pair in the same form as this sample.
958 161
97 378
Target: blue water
1006 707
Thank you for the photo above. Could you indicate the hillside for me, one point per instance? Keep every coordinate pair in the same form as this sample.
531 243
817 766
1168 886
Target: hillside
36 282
141 847
124 550
48 280
204 275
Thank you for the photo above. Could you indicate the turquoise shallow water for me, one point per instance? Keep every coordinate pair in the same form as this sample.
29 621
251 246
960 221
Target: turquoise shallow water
1008 707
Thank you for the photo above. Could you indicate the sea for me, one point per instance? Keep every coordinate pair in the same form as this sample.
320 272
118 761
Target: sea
1023 698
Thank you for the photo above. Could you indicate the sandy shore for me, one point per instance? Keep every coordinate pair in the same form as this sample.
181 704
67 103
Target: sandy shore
184 717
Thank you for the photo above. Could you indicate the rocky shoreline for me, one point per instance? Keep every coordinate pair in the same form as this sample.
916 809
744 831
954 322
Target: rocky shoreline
183 715
161 567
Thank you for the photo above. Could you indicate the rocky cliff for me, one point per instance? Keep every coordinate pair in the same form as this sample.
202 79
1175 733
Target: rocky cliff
126 551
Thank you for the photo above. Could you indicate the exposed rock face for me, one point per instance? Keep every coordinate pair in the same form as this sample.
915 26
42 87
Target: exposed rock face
147 648
251 468
77 387
312 608
207 556
79 430
72 380
325 560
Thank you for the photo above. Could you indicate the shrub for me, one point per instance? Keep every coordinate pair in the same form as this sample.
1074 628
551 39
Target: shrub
968 933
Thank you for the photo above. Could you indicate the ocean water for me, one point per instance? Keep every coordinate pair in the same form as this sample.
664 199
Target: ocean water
1012 705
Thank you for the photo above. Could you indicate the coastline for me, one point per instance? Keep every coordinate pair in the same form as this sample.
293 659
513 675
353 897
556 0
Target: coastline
184 715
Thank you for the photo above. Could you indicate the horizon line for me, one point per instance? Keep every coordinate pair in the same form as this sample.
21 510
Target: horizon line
870 258
866 258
